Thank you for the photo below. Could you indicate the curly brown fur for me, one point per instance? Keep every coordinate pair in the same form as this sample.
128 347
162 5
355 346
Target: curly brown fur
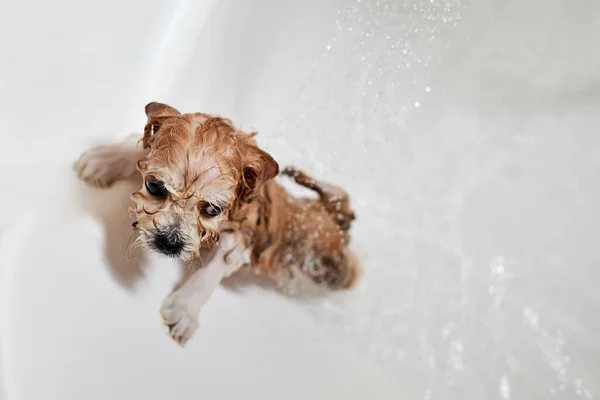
204 180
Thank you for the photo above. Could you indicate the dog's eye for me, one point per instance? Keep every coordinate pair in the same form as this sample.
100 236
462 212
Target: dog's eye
156 188
212 210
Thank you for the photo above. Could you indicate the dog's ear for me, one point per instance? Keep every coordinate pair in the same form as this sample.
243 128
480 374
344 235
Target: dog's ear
258 168
156 112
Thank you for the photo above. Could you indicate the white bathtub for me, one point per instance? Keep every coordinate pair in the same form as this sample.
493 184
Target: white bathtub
466 132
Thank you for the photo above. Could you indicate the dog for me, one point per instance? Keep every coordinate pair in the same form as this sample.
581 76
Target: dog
209 198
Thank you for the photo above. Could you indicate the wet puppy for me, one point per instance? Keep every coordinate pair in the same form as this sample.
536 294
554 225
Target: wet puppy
208 198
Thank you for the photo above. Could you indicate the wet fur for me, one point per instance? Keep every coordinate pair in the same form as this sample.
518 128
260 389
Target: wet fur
201 162
282 232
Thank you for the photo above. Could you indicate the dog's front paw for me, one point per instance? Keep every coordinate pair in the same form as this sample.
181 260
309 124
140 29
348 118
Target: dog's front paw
180 317
102 166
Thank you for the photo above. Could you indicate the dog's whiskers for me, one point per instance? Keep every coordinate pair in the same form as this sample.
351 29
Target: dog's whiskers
135 242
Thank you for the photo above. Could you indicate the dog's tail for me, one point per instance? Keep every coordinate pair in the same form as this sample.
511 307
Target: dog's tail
334 198
302 179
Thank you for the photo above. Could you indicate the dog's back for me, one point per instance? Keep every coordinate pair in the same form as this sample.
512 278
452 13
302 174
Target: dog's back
305 234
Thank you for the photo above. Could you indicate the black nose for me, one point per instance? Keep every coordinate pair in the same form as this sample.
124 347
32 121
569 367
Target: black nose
169 243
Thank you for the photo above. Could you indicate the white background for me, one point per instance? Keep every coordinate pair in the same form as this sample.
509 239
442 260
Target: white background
466 133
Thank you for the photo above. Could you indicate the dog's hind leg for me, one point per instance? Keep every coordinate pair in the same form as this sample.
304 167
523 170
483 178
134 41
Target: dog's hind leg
103 165
336 270
335 199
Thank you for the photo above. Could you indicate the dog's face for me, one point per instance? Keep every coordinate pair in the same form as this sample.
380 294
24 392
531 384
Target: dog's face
199 168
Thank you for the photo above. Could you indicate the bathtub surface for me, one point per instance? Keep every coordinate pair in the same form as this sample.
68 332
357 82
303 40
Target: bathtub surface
466 133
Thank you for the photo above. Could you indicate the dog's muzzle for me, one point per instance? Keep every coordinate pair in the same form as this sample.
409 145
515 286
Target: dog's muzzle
169 243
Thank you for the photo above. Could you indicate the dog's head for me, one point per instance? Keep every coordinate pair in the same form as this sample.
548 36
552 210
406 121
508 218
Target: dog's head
199 168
